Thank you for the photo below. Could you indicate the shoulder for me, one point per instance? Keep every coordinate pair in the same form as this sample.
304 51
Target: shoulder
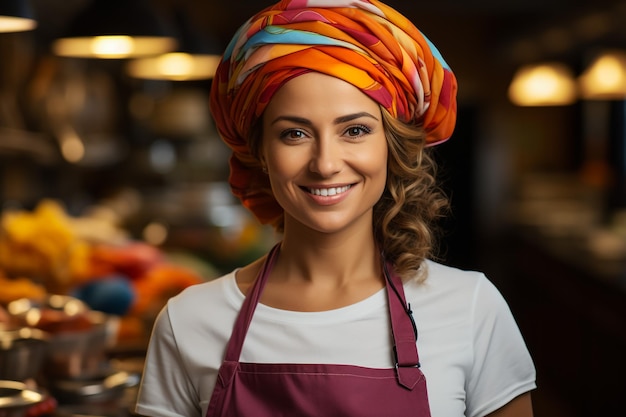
449 294
205 301
470 345
206 289
434 278
200 318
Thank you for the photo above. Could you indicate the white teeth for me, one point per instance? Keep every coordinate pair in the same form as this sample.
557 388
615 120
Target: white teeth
329 191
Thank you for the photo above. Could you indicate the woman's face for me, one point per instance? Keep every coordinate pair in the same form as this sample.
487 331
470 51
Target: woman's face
324 147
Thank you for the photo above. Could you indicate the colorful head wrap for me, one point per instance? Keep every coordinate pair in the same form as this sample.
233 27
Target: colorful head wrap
363 42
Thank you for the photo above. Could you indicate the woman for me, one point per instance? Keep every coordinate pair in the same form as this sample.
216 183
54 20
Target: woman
329 107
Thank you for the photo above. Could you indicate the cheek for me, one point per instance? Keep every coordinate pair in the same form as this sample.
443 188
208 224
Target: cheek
283 163
374 160
284 166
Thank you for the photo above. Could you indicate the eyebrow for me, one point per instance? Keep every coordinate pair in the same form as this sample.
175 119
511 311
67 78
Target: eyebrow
338 120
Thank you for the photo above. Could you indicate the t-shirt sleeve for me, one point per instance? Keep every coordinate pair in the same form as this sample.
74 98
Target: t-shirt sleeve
165 389
502 367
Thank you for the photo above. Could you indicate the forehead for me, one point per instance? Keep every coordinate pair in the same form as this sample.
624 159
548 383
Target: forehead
315 94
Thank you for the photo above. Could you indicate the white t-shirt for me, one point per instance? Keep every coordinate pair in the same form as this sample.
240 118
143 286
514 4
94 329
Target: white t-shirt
471 350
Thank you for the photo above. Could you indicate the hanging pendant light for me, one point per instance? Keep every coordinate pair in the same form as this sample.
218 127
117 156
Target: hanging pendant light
115 29
196 59
545 84
16 16
175 66
605 78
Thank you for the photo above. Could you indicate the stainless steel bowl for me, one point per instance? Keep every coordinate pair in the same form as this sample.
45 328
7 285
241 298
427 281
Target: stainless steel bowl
16 398
107 389
22 352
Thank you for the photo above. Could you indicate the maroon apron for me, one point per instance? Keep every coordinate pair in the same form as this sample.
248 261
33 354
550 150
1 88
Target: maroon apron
287 389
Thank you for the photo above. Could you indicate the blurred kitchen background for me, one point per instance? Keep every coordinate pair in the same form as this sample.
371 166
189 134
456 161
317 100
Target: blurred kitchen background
113 192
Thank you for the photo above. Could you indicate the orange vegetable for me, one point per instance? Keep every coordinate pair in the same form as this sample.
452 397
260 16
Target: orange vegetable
161 282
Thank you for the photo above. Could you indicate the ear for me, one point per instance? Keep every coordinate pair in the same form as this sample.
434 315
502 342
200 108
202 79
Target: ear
263 164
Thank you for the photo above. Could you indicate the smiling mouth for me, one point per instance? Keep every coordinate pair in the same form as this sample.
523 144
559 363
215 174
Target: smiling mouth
329 191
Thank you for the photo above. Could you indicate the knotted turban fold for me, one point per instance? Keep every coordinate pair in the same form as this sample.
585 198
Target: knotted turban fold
363 42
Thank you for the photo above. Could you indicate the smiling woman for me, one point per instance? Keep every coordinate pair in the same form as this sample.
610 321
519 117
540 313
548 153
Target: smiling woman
329 109
322 135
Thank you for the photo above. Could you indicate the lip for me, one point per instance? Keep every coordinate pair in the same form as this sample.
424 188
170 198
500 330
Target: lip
329 194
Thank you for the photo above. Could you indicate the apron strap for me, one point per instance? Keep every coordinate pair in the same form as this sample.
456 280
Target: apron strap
404 331
403 327
240 329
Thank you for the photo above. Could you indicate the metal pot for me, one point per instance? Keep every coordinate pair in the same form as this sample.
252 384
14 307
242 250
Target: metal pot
79 354
16 398
22 352
108 389
78 336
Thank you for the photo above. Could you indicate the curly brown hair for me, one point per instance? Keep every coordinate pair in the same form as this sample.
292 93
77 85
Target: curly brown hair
405 218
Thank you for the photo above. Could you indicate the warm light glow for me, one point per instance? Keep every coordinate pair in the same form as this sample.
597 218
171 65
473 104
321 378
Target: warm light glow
176 66
155 233
16 24
31 397
112 47
547 84
605 78
72 147
32 317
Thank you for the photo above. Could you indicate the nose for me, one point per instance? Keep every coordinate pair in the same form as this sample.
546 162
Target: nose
326 157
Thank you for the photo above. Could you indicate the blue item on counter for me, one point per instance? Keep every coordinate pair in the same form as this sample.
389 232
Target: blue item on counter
112 294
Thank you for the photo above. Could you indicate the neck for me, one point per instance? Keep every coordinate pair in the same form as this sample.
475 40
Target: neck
337 258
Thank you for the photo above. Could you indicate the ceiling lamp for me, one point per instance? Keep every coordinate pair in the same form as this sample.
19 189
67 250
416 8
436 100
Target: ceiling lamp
175 66
605 78
16 16
194 60
546 84
115 29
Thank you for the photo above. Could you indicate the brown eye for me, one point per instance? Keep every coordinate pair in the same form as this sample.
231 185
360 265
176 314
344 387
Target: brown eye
357 131
296 134
292 134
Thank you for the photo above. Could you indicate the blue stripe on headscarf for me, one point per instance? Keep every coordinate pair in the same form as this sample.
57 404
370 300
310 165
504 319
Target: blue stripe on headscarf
279 35
436 53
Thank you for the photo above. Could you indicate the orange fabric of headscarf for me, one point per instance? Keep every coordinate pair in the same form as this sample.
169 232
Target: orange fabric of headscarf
363 42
